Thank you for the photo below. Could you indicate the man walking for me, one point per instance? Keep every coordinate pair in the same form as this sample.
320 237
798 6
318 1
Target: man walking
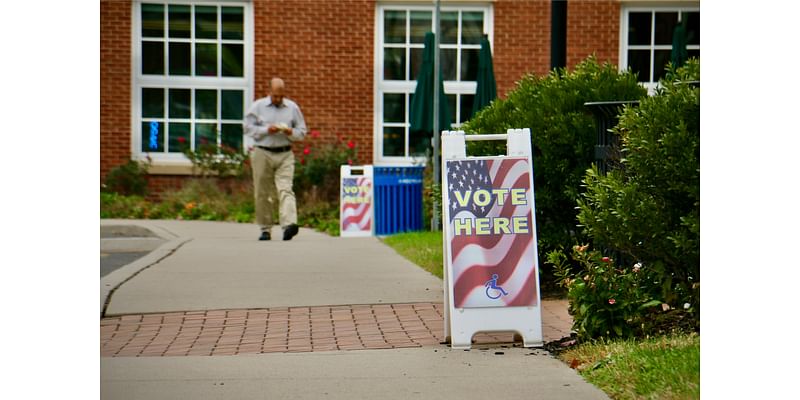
274 122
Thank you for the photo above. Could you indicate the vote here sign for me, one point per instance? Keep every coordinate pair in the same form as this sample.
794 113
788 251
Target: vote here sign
356 206
490 231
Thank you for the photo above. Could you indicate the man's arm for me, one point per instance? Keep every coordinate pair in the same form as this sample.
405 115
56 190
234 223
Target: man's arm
298 130
253 127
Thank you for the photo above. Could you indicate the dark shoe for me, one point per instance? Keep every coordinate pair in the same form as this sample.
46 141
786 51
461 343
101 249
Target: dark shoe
265 236
290 231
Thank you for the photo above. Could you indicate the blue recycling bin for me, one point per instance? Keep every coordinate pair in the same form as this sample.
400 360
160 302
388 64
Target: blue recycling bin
398 199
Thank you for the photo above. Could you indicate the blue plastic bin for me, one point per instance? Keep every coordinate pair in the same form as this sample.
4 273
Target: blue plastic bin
398 199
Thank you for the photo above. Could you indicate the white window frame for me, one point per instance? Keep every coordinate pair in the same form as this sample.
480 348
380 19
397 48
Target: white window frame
680 8
165 81
408 87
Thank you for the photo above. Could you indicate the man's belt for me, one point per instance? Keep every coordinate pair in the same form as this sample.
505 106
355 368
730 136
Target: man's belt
276 149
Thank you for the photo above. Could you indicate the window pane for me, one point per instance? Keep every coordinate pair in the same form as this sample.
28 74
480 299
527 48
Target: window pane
394 107
232 104
665 27
180 21
469 64
639 27
394 26
693 27
471 27
466 107
233 23
449 22
152 136
152 20
180 59
205 102
394 141
451 102
419 143
394 64
416 63
153 58
660 60
152 103
180 101
448 63
232 136
232 59
205 22
421 22
179 139
639 62
205 59
205 134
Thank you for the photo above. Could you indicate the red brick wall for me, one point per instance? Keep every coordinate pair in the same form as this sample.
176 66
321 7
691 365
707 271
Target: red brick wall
115 84
521 41
593 28
324 51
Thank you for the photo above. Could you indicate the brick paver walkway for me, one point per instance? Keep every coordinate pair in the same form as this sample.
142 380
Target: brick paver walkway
295 329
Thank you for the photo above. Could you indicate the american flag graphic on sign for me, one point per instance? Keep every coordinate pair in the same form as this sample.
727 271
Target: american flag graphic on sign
492 250
356 212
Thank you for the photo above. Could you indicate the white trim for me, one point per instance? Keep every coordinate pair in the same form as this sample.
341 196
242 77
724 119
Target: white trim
407 87
192 82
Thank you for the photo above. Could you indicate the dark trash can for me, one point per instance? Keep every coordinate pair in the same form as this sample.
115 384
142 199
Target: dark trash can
398 199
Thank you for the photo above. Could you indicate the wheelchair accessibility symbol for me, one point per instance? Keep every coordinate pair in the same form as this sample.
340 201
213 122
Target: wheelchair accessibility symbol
492 290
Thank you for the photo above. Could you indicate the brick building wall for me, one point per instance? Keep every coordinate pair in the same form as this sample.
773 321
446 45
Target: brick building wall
326 58
593 28
521 41
115 84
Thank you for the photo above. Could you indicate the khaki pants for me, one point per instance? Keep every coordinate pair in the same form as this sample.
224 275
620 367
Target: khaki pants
273 172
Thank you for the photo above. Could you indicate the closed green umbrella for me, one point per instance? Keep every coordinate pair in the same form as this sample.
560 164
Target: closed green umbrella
679 53
487 87
421 113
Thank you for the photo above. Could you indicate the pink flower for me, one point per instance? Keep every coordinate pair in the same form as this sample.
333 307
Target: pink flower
307 151
314 134
611 301
181 139
606 259
302 161
351 144
349 161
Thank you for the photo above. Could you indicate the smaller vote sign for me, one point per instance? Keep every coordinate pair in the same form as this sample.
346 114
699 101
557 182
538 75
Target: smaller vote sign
356 206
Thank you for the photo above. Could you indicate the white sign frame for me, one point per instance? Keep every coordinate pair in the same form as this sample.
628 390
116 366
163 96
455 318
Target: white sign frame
461 324
346 171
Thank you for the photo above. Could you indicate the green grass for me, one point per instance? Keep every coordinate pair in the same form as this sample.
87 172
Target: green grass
666 367
421 248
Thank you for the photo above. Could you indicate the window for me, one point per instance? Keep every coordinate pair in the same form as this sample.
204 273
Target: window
192 75
400 38
647 39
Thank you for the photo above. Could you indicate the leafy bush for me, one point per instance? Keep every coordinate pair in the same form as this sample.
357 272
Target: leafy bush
316 173
562 136
606 300
322 216
649 209
213 160
115 205
127 179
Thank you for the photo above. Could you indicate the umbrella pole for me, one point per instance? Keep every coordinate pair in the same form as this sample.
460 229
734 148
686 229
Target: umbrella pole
436 134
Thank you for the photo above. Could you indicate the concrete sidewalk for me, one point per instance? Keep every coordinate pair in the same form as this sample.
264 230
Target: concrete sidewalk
166 297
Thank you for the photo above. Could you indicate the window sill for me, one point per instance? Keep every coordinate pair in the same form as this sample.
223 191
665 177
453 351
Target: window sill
170 168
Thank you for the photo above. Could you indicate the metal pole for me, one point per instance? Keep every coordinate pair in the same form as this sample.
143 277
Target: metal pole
436 133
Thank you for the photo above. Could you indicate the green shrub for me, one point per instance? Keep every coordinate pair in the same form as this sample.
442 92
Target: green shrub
114 205
606 300
127 179
562 136
316 173
649 208
213 160
322 216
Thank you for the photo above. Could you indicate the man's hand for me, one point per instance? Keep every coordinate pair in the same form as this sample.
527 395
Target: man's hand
273 129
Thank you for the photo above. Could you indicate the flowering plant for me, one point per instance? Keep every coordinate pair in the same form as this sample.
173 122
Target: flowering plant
606 300
222 160
317 168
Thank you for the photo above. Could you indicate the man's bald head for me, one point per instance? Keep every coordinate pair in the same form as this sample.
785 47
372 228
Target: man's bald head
276 90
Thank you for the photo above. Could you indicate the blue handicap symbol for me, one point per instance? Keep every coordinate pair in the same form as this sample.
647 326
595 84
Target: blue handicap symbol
491 284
